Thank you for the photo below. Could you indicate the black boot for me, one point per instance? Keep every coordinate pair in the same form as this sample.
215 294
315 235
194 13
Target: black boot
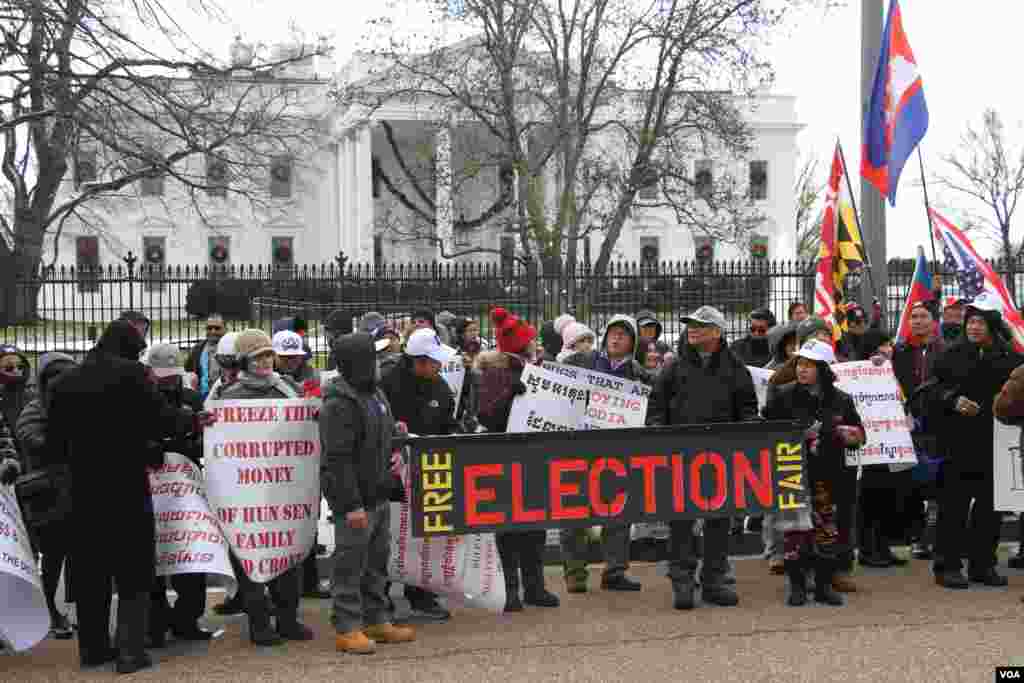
824 570
512 601
131 629
531 558
260 631
683 590
508 552
797 583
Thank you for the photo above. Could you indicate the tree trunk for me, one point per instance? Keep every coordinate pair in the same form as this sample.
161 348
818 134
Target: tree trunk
19 284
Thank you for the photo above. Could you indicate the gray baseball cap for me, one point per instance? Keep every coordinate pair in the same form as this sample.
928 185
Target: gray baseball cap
706 315
163 359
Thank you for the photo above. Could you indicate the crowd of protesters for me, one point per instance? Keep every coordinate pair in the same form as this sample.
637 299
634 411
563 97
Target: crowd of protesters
957 371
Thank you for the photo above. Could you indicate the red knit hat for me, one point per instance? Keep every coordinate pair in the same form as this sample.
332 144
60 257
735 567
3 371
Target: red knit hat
513 334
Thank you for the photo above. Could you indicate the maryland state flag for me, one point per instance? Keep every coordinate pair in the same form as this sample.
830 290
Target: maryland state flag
842 249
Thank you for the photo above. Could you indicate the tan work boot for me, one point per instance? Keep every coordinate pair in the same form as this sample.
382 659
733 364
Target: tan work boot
354 642
389 633
843 583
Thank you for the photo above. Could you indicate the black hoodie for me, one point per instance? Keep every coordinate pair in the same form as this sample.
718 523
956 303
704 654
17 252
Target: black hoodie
356 429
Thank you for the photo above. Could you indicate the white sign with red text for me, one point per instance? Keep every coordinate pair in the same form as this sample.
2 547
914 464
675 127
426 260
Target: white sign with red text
24 619
189 539
879 402
262 460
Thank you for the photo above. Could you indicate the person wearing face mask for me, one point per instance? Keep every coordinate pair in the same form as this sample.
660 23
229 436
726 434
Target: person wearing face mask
357 474
14 386
182 619
113 536
812 537
754 349
53 539
952 326
969 376
616 357
258 380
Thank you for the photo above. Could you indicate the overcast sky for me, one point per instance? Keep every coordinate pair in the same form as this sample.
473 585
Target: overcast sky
966 53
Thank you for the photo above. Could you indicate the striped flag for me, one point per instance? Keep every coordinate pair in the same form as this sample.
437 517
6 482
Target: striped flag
920 292
975 276
841 256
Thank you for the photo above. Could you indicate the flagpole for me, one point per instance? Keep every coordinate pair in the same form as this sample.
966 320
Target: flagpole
856 217
927 206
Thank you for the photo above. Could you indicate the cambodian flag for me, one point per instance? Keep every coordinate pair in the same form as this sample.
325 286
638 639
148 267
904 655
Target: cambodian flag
897 117
920 292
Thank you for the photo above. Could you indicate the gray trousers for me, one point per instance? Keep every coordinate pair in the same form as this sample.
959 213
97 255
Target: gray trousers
682 551
771 536
614 545
361 571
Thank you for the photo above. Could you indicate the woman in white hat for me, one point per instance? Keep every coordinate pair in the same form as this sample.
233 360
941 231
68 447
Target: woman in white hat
811 536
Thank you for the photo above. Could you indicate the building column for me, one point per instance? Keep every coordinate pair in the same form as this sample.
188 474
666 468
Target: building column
363 161
444 215
344 201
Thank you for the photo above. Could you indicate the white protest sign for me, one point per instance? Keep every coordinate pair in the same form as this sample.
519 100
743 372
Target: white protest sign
879 402
262 460
761 378
613 402
465 568
1007 468
188 537
555 400
454 373
24 618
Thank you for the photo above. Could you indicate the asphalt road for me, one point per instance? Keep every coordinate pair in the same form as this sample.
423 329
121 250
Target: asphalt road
899 627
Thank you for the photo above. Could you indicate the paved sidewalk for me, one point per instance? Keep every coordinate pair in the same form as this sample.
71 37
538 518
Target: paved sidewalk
900 627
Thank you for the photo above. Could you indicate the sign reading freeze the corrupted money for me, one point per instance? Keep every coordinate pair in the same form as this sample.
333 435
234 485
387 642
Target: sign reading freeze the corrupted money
501 482
262 460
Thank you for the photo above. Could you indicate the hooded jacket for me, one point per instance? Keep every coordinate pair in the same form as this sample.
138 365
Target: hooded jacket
14 397
778 337
356 430
338 323
550 340
426 406
596 359
31 426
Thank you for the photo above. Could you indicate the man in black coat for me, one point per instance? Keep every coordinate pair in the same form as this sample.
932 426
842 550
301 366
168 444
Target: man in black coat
202 358
421 398
754 349
705 383
970 375
617 357
104 416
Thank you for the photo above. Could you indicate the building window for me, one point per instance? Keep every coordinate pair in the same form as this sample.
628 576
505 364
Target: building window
508 253
281 178
216 176
282 255
87 263
85 168
650 252
219 252
154 261
703 179
378 250
759 180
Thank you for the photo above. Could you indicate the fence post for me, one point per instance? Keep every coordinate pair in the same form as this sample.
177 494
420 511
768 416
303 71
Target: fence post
129 261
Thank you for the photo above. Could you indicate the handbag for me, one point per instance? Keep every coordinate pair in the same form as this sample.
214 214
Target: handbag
44 495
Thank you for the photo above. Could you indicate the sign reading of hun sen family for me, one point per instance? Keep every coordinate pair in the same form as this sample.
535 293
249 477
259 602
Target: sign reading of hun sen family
502 482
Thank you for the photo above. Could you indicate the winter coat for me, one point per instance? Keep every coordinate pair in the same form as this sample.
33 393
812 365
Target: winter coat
14 397
550 341
103 416
778 336
356 430
189 444
500 374
7 449
31 426
427 407
338 323
687 392
903 363
250 386
965 370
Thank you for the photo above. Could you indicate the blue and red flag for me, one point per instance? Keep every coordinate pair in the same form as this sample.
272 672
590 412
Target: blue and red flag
920 292
897 117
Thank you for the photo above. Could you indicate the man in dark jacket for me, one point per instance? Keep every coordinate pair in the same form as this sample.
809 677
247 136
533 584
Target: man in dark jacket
356 429
421 399
15 394
202 359
617 357
952 319
338 323
970 374
706 383
649 332
754 348
109 394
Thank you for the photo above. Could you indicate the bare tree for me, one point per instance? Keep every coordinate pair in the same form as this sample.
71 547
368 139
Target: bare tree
808 189
593 100
89 78
988 172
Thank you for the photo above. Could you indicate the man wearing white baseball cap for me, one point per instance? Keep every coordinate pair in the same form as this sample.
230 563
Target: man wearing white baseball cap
421 398
291 357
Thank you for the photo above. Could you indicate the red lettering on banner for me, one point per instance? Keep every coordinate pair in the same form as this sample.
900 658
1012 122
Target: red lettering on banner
718 465
560 489
519 511
600 506
228 414
476 495
760 484
648 464
678 492
265 475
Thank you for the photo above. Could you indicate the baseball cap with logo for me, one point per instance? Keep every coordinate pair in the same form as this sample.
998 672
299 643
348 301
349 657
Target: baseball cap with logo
816 350
706 315
288 343
425 342
164 361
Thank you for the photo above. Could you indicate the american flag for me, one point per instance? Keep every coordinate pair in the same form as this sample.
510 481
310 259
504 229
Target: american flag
975 275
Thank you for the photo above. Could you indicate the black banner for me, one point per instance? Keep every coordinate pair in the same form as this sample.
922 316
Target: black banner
502 482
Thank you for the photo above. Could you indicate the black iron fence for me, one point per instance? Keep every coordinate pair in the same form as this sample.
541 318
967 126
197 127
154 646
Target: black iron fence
71 307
